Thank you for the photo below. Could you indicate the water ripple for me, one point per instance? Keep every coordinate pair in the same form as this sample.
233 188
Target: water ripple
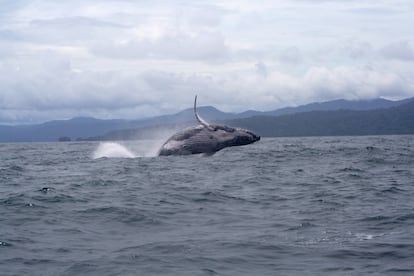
285 206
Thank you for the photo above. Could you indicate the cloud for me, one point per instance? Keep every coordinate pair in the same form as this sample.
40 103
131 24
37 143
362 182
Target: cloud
205 15
6 50
60 59
356 49
55 88
262 69
355 83
207 46
290 55
401 50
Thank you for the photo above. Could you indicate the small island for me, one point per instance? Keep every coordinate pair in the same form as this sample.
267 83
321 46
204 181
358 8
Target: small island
64 139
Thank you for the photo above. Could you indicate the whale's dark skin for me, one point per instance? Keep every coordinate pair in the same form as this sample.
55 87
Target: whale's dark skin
206 138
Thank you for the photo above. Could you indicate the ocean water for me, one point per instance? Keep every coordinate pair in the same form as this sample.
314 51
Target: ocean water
282 206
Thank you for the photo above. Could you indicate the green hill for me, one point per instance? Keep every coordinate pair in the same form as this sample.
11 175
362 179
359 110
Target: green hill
395 120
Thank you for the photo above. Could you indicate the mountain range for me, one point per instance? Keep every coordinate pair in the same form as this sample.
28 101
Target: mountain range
338 117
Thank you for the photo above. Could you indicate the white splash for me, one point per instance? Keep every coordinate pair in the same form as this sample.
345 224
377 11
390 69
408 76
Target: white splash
112 150
135 148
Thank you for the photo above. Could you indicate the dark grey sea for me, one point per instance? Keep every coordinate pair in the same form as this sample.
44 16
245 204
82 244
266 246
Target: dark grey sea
282 206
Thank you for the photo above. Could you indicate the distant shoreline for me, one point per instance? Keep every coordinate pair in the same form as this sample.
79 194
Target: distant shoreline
394 120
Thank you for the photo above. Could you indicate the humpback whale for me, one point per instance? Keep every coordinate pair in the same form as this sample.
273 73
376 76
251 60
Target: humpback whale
206 138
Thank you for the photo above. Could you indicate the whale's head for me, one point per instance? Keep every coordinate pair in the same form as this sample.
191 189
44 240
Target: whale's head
246 137
229 136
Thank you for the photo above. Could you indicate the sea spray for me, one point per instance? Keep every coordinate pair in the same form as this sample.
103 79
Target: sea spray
112 150
136 148
128 149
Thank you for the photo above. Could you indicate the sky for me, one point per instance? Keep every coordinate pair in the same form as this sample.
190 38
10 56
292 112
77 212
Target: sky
136 59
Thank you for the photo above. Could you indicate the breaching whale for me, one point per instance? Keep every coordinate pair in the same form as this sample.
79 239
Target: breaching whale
206 138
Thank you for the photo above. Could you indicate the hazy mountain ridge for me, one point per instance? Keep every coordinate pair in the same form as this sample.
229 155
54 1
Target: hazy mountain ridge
385 121
265 123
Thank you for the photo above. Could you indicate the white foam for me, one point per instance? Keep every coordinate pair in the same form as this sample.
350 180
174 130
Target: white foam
364 236
112 150
135 148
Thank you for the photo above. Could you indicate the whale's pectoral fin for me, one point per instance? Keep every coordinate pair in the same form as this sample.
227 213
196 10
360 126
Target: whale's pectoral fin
199 119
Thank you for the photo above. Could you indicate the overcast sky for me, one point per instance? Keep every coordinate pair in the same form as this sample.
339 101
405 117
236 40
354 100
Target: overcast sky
134 59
